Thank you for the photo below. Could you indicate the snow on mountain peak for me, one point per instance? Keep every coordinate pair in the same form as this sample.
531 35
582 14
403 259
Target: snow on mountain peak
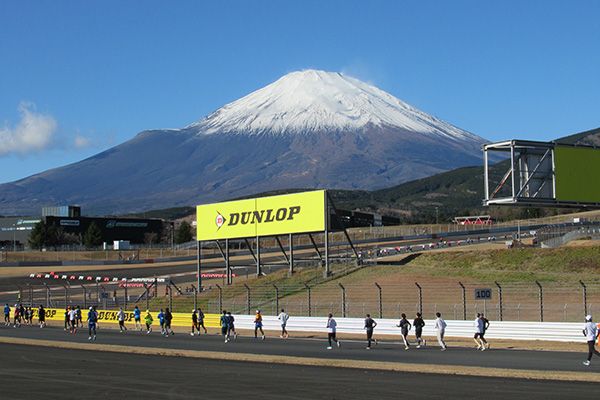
311 101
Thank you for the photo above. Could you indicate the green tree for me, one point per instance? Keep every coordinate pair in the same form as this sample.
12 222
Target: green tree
184 233
37 237
93 236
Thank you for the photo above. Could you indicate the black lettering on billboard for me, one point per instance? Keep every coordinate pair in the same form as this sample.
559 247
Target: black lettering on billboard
269 217
293 211
257 217
281 214
234 219
245 218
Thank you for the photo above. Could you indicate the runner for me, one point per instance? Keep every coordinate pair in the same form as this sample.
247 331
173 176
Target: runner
72 320
121 319
225 326
230 325
41 316
370 325
148 319
195 323
486 325
590 331
161 319
78 318
6 315
201 321
440 328
67 317
17 316
331 328
258 325
92 321
283 317
418 323
168 319
137 317
478 324
404 326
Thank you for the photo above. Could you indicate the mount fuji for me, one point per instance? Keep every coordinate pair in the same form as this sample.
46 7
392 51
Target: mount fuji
309 129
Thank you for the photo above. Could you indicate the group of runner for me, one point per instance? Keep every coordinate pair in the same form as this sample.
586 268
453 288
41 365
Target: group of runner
24 315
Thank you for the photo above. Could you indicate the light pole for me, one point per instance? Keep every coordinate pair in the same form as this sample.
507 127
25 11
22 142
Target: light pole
14 237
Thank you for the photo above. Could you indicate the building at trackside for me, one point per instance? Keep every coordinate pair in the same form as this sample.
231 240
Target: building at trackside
14 231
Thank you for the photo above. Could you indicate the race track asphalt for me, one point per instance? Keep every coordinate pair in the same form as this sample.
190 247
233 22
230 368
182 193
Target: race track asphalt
52 363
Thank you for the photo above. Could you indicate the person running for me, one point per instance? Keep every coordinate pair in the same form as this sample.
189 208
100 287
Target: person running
201 321
478 324
67 317
486 325
78 317
6 315
404 326
17 317
258 325
418 323
283 317
148 319
92 318
72 320
230 325
440 329
121 319
590 331
370 325
168 319
29 316
137 317
42 316
225 326
331 330
195 322
161 319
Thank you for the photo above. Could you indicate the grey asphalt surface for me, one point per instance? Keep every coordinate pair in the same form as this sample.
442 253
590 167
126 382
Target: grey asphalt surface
28 371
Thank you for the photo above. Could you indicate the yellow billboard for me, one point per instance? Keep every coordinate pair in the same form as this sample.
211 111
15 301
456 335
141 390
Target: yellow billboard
265 216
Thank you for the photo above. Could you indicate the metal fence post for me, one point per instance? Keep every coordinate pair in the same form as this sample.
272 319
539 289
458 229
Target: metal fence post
499 298
541 301
584 297
420 298
343 300
48 295
464 301
308 288
380 301
220 298
276 299
195 297
126 299
248 299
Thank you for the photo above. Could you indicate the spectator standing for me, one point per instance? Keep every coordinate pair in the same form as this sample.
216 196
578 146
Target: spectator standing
121 319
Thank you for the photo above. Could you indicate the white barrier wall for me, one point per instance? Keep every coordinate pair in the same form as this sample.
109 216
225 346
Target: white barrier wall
517 330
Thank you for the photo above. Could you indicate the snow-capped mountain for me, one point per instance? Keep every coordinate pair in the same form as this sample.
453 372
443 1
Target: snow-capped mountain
309 129
312 101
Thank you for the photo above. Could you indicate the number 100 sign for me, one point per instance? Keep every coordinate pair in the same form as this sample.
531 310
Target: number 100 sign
483 294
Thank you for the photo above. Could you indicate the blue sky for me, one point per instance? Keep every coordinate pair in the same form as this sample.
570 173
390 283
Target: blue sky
79 77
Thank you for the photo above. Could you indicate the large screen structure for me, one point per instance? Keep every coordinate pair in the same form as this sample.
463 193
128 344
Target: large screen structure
544 174
266 216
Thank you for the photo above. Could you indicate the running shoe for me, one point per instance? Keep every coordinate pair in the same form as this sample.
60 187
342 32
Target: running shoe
487 345
263 337
90 338
329 347
406 348
418 346
586 362
368 348
339 343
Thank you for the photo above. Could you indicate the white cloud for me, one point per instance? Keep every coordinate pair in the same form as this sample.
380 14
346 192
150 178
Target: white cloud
34 133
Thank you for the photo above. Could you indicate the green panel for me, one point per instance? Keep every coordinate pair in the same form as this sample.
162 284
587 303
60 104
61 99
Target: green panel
577 174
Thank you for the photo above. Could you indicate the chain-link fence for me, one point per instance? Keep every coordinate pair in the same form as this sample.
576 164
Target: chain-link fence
533 301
